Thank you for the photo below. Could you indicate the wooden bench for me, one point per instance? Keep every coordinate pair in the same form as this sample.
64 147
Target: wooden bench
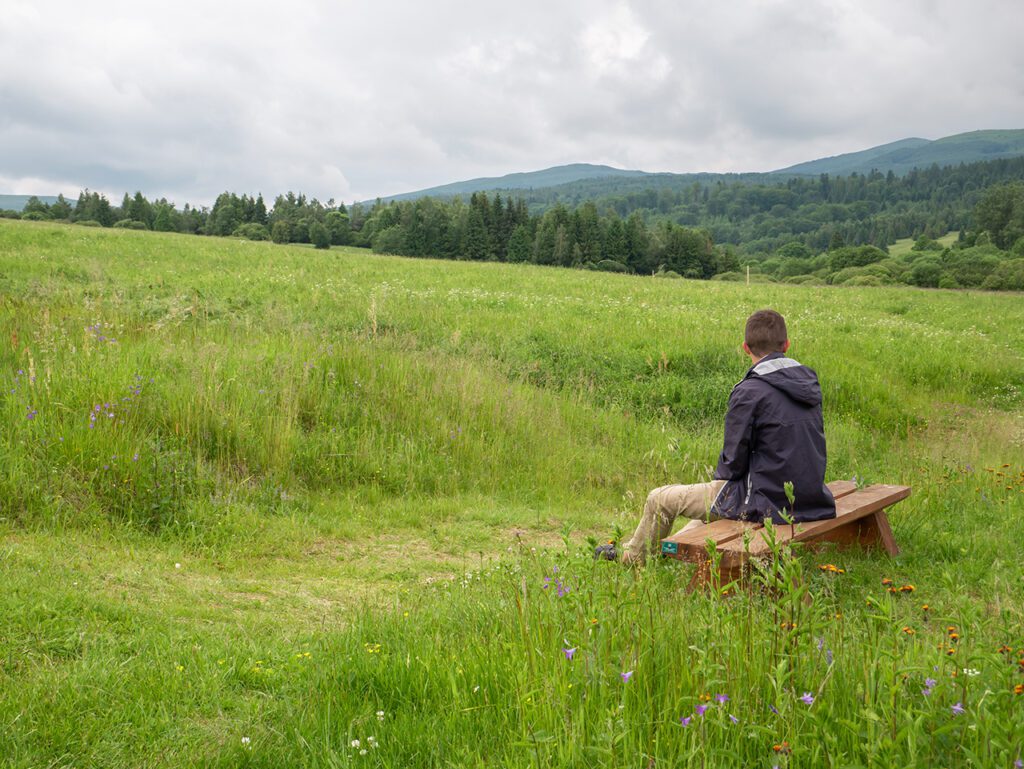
860 519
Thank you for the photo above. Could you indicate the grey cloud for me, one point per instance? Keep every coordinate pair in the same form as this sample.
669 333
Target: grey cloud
350 100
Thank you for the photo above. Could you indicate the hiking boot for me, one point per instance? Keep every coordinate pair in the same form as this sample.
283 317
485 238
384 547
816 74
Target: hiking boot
606 552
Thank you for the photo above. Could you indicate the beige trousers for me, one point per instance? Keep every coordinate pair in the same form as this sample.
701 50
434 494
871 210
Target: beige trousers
663 506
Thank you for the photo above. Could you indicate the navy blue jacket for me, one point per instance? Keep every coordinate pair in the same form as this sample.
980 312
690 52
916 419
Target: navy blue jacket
773 434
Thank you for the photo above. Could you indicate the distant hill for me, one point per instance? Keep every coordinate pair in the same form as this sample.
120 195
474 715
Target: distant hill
549 177
902 156
17 202
582 181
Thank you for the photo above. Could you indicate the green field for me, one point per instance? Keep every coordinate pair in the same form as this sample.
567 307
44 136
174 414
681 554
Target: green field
261 504
904 246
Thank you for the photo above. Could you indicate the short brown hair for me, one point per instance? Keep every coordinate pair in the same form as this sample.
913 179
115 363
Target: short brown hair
765 332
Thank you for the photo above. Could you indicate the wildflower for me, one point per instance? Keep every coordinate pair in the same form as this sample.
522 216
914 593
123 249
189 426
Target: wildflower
625 676
1004 649
705 697
362 752
893 589
807 699
909 630
1018 689
958 709
950 651
773 709
886 581
821 643
569 653
246 741
954 637
925 607
31 414
1018 764
839 615
788 625
685 720
782 747
355 743
722 698
930 682
371 741
971 672
907 589
733 718
380 715
950 630
700 710
828 657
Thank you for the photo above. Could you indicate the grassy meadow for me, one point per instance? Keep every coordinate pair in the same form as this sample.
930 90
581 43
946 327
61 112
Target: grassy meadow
268 506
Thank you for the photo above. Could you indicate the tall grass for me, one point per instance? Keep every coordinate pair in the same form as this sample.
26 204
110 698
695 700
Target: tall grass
311 437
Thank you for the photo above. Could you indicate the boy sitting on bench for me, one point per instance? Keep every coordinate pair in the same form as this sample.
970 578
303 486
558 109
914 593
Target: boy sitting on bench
774 434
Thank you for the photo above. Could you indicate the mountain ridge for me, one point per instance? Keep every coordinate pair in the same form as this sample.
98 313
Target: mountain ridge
900 156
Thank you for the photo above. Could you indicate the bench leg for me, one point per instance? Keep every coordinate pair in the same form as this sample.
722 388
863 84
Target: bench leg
704 575
872 530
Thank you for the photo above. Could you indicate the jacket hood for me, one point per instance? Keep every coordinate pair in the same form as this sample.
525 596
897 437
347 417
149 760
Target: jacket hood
789 376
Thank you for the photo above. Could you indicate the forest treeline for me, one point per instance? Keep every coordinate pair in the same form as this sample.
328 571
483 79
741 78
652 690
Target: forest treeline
804 230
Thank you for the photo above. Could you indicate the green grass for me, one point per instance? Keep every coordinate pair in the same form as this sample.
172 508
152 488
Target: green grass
904 246
377 462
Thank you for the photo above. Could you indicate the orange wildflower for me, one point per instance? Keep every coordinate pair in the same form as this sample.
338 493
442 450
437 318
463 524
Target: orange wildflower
909 630
782 747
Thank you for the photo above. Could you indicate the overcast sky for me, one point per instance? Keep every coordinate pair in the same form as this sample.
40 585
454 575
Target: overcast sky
352 100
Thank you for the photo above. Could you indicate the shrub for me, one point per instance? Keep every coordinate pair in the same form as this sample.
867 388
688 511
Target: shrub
610 265
1008 276
131 224
389 241
88 223
33 216
319 236
281 232
251 231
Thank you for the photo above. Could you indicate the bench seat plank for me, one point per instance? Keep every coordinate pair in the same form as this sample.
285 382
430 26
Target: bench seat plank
690 545
849 509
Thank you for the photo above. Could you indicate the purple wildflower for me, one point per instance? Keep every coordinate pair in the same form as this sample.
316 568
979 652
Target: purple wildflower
807 699
135 458
828 657
1018 764
685 720
722 698
569 653
700 710
930 683
31 414
733 718
821 644
958 709
773 709
625 676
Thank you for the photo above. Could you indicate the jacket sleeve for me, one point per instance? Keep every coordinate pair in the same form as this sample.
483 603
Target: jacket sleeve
734 460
